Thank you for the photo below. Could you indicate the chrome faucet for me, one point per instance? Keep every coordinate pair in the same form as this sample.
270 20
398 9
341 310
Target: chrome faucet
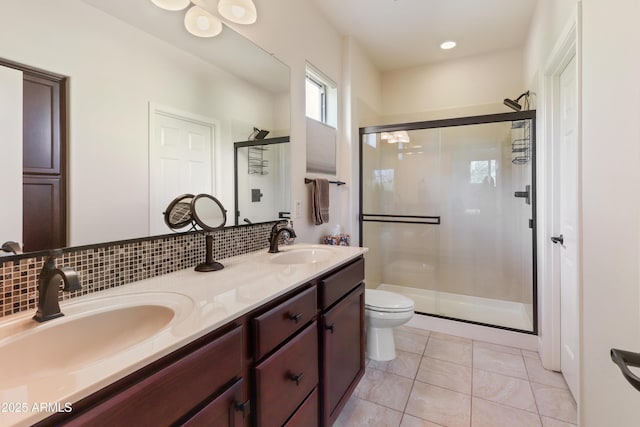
49 282
277 229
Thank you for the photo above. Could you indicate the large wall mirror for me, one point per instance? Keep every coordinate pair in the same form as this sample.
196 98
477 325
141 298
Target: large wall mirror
136 81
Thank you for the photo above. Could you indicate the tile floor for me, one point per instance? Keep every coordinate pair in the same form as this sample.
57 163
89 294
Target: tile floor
443 380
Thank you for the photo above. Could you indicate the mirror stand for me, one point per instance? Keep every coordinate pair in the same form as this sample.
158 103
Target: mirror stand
209 264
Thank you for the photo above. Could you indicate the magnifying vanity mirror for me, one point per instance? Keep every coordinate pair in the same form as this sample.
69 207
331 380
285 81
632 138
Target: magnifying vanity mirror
204 211
178 214
208 213
130 78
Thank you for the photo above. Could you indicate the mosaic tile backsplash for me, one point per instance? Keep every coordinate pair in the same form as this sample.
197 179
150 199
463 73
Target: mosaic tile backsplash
112 265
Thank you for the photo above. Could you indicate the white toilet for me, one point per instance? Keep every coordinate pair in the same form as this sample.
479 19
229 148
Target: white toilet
383 311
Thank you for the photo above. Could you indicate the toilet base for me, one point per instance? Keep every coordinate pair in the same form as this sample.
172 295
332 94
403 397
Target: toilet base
380 344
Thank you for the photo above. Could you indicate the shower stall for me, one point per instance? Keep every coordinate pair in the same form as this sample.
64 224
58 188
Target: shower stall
447 210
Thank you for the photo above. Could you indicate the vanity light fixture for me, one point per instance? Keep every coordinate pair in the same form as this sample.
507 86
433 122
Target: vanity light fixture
448 45
201 20
201 23
172 5
238 11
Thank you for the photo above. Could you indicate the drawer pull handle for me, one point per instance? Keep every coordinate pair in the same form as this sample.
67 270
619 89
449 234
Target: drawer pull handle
295 317
244 407
296 378
329 328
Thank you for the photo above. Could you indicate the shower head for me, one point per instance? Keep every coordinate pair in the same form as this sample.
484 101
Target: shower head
515 105
512 104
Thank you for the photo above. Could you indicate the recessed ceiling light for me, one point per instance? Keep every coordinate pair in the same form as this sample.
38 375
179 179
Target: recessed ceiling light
448 45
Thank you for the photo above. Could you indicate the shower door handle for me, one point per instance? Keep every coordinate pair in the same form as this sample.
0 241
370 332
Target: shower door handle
526 194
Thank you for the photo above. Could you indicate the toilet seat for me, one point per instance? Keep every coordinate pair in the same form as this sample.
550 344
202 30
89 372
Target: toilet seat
386 302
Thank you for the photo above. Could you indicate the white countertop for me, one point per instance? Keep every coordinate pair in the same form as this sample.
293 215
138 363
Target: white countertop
203 302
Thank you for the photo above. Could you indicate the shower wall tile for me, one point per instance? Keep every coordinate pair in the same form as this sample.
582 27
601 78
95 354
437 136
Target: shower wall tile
109 265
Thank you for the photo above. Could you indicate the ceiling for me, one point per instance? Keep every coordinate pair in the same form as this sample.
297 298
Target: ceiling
404 33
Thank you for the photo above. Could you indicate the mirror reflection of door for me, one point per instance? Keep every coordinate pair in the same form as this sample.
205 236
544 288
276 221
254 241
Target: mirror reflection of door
43 159
180 161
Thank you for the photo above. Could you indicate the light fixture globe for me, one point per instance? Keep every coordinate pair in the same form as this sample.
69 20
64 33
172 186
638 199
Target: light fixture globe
238 11
171 4
201 23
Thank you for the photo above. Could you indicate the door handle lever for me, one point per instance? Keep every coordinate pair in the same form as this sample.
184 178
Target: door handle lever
624 359
558 239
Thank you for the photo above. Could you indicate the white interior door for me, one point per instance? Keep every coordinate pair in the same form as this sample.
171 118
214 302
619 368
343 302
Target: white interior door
11 154
181 158
568 215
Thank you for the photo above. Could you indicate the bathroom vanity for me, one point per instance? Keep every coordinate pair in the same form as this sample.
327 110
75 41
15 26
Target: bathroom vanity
266 343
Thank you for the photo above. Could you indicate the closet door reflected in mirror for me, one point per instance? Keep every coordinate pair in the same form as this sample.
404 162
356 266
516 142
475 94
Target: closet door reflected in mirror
44 161
180 159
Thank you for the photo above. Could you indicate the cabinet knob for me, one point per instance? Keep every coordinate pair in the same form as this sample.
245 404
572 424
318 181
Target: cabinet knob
295 317
296 378
244 407
329 328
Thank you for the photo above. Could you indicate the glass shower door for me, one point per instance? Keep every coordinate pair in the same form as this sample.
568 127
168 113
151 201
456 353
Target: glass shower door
447 217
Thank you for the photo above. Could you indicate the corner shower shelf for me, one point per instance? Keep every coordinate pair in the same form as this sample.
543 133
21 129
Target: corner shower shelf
257 163
521 142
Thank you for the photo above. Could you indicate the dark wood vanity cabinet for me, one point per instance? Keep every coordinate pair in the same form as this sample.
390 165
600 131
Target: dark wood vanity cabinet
342 358
292 362
317 365
343 361
199 385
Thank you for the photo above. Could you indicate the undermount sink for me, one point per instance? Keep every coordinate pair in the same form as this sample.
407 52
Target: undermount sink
90 331
310 255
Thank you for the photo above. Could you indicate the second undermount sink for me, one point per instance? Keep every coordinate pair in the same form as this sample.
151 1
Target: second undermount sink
308 255
90 331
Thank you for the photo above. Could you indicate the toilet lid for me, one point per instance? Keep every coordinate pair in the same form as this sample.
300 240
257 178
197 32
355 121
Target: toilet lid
377 300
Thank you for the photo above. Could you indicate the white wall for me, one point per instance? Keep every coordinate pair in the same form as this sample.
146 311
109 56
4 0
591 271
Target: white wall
115 70
11 158
363 105
296 32
468 86
549 20
610 208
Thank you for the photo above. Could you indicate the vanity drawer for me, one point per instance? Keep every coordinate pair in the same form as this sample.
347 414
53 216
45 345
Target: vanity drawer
307 413
167 395
225 410
278 393
338 284
282 321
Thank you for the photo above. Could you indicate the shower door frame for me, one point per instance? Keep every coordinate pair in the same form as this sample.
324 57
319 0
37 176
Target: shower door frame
465 121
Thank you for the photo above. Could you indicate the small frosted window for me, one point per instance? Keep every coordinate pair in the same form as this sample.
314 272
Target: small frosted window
315 99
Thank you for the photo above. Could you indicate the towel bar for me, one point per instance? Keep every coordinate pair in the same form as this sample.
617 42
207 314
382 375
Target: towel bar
307 180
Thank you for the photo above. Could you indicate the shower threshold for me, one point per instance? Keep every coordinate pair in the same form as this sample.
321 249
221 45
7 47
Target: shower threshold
487 311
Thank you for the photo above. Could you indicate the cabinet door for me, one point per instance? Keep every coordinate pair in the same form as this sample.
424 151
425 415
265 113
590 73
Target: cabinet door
43 214
166 396
42 149
343 357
